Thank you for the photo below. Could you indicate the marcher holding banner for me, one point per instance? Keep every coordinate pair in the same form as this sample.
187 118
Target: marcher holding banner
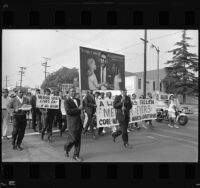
47 117
122 104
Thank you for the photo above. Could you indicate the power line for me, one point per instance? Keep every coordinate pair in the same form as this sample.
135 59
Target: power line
155 38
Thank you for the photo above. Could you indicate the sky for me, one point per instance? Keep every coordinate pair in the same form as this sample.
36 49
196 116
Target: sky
26 48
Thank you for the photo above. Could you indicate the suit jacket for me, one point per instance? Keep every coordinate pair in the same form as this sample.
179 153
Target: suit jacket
73 113
33 102
16 104
120 116
109 75
89 104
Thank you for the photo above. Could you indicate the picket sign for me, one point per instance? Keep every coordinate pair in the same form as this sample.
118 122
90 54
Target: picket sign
47 101
142 109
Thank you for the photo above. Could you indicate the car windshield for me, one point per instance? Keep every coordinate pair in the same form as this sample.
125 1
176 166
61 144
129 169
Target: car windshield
161 104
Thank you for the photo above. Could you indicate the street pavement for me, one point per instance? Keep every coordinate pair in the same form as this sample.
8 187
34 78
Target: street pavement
162 144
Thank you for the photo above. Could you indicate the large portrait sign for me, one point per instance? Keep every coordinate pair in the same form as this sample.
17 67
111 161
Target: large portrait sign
100 70
142 109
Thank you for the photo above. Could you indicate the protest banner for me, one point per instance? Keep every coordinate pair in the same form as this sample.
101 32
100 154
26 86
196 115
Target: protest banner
47 101
100 67
142 109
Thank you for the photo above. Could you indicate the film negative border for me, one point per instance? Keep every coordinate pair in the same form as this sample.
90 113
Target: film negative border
100 16
121 15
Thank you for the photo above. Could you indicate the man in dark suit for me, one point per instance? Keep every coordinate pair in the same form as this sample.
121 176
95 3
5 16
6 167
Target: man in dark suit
104 73
90 107
75 126
19 119
122 104
36 114
58 113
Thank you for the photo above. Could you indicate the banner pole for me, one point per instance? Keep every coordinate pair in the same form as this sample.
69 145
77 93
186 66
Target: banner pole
80 88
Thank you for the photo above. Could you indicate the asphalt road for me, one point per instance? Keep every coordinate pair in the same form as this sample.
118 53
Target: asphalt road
163 144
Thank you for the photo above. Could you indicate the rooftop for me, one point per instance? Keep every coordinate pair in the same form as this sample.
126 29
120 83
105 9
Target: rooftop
151 75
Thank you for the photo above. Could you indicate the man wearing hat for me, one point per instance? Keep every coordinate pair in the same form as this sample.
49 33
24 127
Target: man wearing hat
4 113
122 104
36 114
19 119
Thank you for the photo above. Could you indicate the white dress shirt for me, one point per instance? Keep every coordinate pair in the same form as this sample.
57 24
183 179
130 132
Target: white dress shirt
75 101
20 99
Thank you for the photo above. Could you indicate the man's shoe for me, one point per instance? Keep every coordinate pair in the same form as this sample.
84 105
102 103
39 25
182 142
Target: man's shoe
127 146
176 126
67 152
113 138
170 126
19 148
94 136
14 147
35 129
42 136
77 158
49 139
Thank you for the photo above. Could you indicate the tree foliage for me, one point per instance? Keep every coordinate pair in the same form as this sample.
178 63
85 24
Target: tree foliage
180 78
62 76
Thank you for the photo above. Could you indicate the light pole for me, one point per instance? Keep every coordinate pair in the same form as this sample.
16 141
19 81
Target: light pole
158 83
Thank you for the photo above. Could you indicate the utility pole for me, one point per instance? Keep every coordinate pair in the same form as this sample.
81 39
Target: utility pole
6 81
158 82
21 74
45 66
145 61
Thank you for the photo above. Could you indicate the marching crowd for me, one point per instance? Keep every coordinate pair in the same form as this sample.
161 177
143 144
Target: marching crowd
80 116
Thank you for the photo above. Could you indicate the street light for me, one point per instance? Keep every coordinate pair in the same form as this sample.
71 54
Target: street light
158 83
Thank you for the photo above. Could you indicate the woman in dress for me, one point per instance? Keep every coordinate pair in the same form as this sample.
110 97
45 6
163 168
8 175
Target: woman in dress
92 79
171 111
117 78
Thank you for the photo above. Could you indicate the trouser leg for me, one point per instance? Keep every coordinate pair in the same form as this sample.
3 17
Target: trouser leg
33 119
70 141
118 131
21 131
45 123
5 122
124 127
64 126
89 121
77 143
100 130
49 125
60 120
15 129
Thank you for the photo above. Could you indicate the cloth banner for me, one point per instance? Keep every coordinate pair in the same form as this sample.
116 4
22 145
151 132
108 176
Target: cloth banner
47 101
142 109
